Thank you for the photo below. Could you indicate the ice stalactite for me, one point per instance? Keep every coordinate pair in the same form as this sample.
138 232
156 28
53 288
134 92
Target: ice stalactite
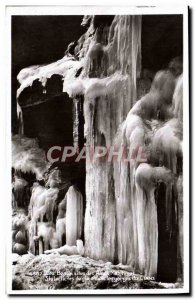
178 99
74 216
131 134
20 192
150 125
20 120
105 108
61 231
46 232
61 222
78 123
41 214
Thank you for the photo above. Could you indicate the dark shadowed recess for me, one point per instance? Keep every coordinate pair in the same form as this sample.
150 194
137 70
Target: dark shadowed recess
162 40
40 40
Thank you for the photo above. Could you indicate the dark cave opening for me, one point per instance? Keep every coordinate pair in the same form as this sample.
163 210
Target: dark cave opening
162 40
167 243
51 122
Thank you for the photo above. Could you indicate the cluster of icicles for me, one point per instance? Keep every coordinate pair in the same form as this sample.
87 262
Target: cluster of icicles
68 227
38 230
154 123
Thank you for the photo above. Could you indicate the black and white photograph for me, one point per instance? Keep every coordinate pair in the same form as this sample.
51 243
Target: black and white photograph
99 177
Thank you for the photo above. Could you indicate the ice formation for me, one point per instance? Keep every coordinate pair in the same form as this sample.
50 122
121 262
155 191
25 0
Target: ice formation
121 216
69 250
74 216
67 67
20 233
50 233
136 204
27 156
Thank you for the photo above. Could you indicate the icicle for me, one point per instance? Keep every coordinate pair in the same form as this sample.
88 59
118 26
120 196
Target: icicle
76 123
51 196
178 99
61 231
20 187
20 120
167 143
74 216
37 202
45 232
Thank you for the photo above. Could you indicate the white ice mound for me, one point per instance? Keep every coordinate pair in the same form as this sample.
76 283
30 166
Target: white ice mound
146 175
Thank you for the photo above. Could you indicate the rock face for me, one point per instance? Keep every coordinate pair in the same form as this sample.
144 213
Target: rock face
131 206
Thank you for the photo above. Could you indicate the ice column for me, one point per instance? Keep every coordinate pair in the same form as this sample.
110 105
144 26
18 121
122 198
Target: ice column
74 216
104 110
